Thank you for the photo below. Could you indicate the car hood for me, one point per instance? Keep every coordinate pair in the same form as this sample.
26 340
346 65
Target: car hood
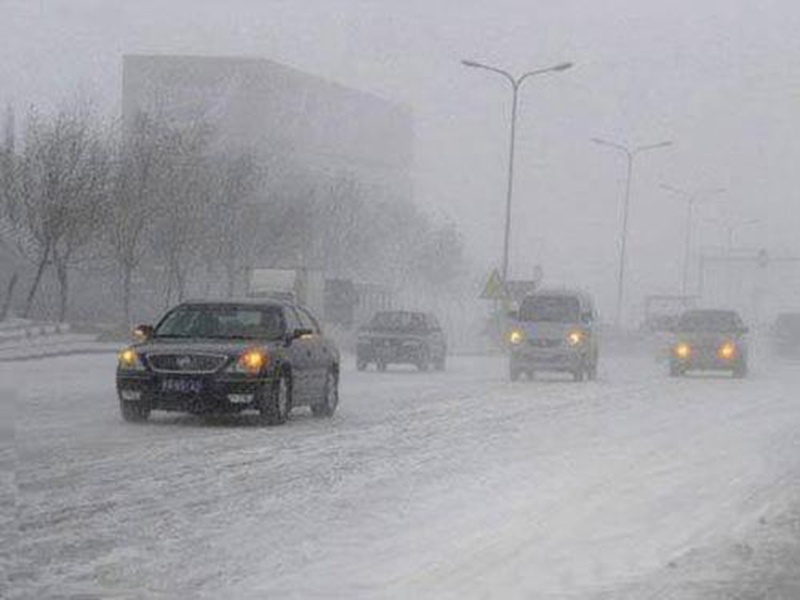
706 338
393 334
547 330
202 346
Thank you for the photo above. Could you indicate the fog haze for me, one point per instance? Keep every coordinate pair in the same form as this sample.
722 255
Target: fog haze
718 78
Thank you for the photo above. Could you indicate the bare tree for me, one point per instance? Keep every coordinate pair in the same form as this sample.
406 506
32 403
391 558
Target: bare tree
181 208
62 186
138 178
233 215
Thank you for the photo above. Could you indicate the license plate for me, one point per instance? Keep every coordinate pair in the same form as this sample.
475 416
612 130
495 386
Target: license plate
182 386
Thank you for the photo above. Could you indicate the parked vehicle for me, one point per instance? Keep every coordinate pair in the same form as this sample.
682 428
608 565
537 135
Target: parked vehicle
227 357
554 330
710 340
402 337
786 335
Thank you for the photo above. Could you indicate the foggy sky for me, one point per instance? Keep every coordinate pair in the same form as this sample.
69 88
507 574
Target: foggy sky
721 78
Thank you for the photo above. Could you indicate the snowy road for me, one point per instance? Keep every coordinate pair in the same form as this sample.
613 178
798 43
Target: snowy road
448 485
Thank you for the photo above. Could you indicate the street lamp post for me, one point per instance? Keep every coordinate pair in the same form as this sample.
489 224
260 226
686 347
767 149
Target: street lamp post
515 82
692 199
630 155
731 228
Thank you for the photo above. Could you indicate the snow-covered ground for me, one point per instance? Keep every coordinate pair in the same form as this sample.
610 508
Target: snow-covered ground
436 485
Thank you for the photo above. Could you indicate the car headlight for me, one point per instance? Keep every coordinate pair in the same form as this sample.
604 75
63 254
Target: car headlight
683 350
129 360
727 351
250 362
575 338
516 336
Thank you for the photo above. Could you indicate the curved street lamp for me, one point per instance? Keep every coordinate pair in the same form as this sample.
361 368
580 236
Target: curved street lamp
692 198
515 82
630 155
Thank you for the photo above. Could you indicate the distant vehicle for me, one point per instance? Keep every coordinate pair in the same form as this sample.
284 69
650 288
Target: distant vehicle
301 286
786 335
227 357
709 340
554 330
402 337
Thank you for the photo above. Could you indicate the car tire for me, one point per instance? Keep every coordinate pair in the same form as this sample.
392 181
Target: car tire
591 373
441 363
740 371
361 364
381 366
134 412
676 370
275 403
514 373
330 397
579 373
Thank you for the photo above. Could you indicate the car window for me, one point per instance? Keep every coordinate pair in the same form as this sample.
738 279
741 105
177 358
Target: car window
555 309
307 321
710 320
398 321
222 321
292 319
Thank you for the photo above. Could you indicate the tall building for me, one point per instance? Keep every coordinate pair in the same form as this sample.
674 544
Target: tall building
288 117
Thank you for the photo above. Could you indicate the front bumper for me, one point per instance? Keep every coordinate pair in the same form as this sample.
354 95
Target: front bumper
192 393
561 358
395 352
708 361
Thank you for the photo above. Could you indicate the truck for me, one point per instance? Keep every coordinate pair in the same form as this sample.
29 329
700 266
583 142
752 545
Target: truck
299 285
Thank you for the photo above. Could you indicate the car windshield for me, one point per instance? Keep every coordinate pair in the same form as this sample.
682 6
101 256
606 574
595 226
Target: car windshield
710 320
222 322
552 309
397 321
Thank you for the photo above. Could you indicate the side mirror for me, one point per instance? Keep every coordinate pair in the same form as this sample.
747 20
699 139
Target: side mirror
298 334
586 317
142 333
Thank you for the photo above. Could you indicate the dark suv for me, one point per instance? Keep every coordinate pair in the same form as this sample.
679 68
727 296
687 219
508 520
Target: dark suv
401 337
709 340
227 357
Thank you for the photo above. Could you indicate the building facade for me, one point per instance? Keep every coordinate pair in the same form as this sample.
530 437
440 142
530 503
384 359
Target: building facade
293 120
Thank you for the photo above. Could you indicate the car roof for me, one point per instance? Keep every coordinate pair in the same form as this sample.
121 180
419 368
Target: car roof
711 311
254 302
584 297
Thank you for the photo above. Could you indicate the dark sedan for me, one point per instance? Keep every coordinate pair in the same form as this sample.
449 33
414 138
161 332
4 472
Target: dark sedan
229 357
709 340
402 337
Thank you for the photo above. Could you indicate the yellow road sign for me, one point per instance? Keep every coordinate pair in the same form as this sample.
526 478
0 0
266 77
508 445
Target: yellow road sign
494 288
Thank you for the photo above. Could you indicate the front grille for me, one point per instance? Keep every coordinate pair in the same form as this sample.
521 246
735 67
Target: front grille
185 363
545 343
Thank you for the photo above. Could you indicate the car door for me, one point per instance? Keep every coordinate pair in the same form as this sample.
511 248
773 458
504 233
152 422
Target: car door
320 353
437 344
300 351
